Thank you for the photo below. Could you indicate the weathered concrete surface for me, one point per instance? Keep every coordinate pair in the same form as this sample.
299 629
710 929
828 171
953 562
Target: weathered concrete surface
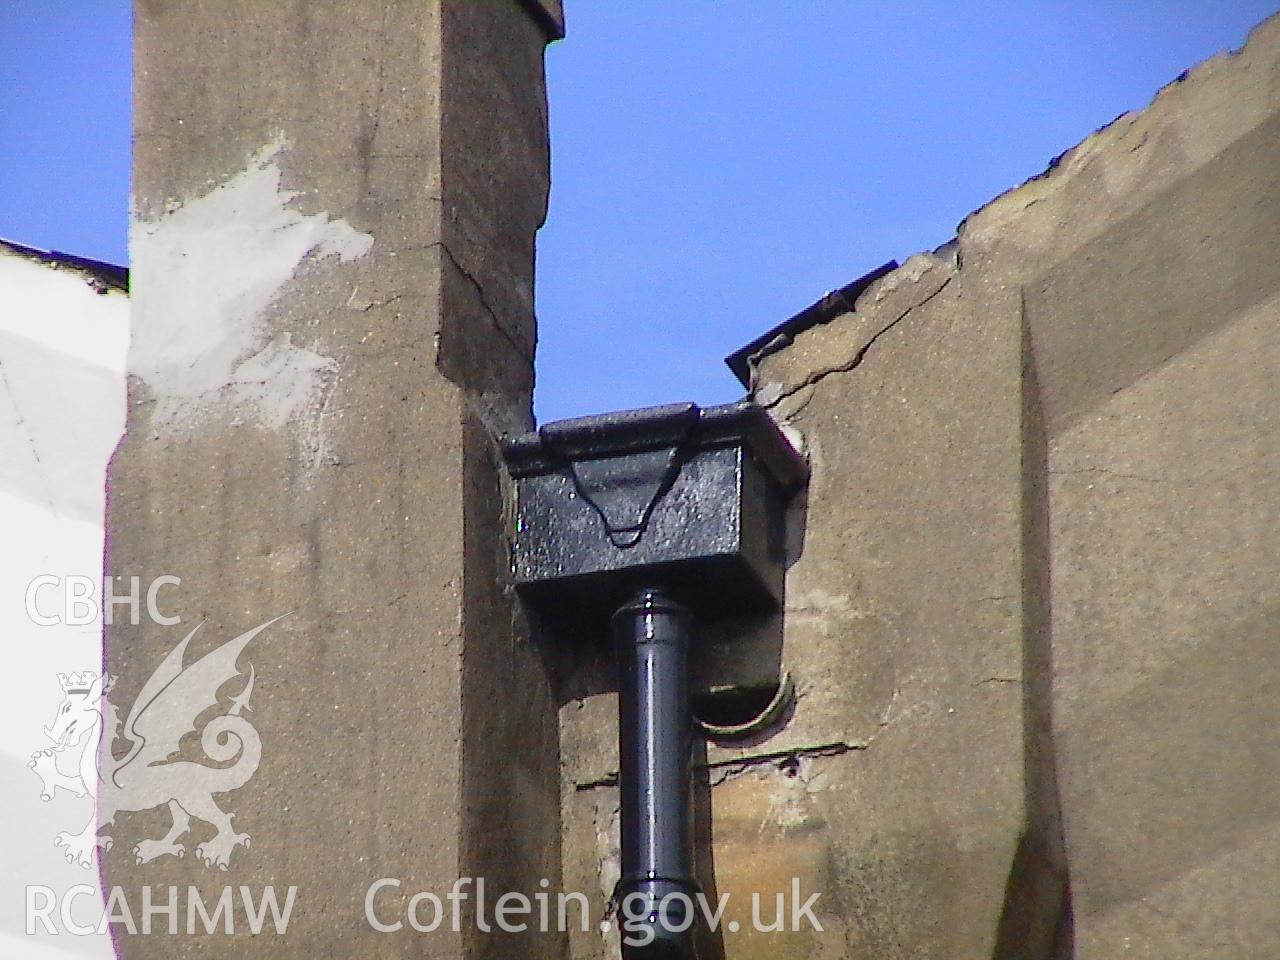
348 194
1033 620
550 14
907 604
874 667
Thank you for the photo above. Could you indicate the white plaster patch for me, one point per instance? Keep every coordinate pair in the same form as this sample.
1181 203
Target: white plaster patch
789 804
205 273
280 380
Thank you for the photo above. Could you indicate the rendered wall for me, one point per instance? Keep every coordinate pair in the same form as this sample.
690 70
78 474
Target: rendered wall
334 212
1033 620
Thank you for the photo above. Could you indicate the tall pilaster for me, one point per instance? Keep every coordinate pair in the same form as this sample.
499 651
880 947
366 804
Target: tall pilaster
334 213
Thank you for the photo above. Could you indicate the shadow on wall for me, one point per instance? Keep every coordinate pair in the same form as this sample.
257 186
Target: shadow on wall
710 944
1037 921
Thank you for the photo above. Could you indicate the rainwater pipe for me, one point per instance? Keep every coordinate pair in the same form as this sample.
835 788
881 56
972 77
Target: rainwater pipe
654 520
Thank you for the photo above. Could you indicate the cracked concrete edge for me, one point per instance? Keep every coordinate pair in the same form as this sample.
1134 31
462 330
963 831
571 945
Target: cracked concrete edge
1202 109
1040 219
843 344
523 349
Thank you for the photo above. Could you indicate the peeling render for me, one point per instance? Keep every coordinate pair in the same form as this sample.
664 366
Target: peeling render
225 259
849 345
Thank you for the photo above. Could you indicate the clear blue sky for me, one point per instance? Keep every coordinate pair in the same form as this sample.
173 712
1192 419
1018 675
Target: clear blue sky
716 166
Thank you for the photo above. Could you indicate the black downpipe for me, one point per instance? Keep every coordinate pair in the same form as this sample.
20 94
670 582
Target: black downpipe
688 498
655 748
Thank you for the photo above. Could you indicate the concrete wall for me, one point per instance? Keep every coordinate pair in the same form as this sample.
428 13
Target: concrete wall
334 212
1032 603
1033 619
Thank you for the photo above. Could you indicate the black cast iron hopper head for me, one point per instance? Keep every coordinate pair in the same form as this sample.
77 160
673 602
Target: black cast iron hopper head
687 499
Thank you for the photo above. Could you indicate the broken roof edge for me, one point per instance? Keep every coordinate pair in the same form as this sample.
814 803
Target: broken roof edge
1079 154
1062 166
832 305
110 275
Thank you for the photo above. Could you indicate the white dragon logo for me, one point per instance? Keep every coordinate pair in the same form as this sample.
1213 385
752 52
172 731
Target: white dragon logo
148 775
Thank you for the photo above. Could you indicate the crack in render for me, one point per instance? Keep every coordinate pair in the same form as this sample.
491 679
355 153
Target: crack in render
22 425
786 762
370 304
791 415
394 601
856 360
380 86
484 301
721 771
1107 473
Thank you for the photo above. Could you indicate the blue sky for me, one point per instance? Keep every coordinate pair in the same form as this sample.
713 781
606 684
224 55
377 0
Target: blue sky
716 166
